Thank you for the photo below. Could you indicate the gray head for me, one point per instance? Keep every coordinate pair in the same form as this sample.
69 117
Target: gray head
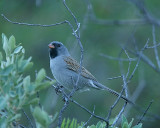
57 49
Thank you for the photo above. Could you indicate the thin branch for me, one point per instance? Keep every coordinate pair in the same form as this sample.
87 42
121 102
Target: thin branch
29 120
77 37
125 104
27 24
117 58
145 12
155 48
51 80
113 106
116 77
119 115
96 20
145 59
145 112
17 124
89 118
88 111
128 66
119 22
61 112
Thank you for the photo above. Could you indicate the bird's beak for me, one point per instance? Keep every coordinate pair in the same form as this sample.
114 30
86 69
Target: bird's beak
51 46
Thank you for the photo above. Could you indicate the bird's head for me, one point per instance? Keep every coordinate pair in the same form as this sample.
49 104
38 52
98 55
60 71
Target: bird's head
57 49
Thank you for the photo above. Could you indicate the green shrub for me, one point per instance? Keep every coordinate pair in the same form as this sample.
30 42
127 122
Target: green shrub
16 89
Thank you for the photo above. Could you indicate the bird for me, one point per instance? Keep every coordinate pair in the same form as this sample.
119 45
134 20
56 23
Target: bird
66 71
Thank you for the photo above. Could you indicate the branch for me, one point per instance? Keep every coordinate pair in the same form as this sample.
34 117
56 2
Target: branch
140 5
145 112
30 122
113 106
89 118
27 24
155 48
117 58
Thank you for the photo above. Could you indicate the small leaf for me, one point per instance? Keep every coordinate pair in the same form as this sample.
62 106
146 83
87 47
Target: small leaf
12 94
41 117
26 83
99 124
125 125
3 122
92 126
18 49
63 123
23 50
130 124
28 66
67 123
33 101
72 123
46 84
12 43
15 117
6 71
40 76
124 120
5 45
3 101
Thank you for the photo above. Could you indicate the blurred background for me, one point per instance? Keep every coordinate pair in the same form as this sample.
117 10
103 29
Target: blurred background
98 38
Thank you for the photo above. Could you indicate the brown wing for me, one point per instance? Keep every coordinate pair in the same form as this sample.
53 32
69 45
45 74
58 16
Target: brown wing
74 65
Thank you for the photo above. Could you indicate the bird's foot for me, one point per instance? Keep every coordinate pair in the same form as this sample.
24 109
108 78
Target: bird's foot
58 89
65 99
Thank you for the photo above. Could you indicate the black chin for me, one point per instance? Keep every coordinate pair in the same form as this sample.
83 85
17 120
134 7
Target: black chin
53 52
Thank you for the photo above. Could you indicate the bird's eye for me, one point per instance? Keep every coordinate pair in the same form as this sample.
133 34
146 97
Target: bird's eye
58 45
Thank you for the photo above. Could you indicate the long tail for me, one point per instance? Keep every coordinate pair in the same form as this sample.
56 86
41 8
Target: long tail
113 92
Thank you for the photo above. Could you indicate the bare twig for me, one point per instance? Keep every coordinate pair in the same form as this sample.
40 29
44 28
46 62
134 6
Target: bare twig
96 20
61 112
125 104
147 16
29 120
88 111
116 77
77 37
113 106
119 115
17 124
155 48
89 118
145 112
117 58
27 24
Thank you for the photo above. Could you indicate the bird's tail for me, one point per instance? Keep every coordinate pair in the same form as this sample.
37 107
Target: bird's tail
101 86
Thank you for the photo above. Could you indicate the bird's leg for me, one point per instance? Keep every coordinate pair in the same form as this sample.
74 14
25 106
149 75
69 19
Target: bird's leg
58 88
65 99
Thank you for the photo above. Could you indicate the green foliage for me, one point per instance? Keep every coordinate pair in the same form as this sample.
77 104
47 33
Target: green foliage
16 89
73 124
125 124
42 118
67 123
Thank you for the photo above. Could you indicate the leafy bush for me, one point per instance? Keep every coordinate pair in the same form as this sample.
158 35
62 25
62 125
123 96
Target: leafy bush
16 89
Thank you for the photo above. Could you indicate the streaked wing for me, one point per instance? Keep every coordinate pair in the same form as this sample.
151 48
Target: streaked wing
74 65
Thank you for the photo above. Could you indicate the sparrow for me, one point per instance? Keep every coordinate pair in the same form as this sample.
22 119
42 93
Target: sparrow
65 70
